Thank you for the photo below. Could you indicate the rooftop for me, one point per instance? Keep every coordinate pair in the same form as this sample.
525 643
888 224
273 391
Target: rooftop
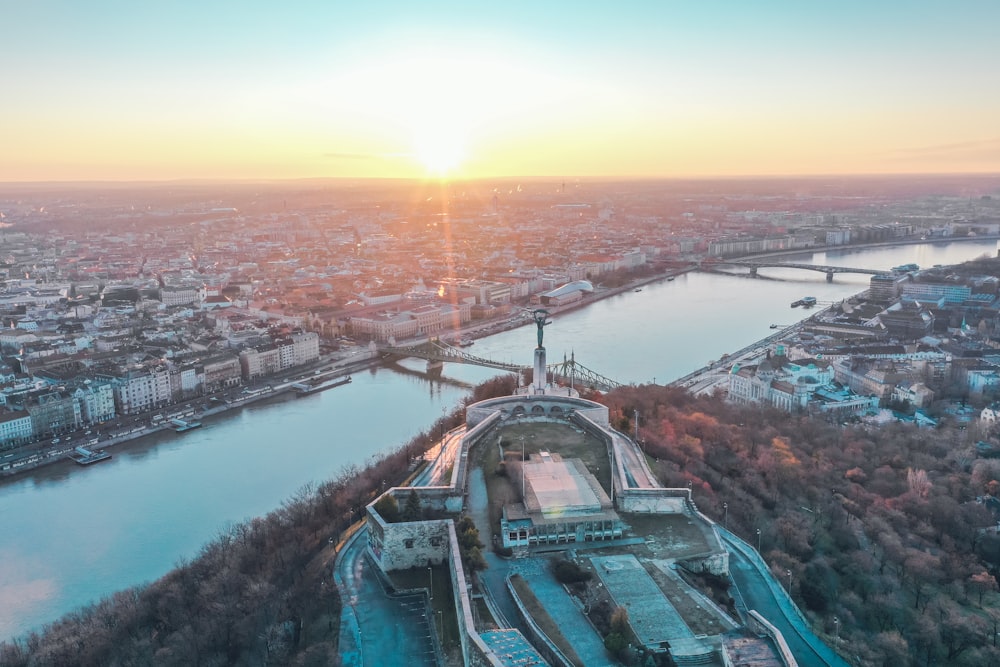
556 487
512 648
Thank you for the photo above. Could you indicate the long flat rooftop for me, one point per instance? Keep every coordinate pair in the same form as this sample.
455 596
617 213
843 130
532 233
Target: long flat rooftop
652 617
554 487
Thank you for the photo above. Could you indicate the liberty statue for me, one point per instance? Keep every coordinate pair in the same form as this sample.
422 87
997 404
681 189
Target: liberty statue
541 320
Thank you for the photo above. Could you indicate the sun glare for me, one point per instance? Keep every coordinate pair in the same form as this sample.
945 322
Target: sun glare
439 149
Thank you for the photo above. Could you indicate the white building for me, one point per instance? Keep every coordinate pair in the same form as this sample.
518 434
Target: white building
97 402
179 296
293 350
572 291
782 383
426 320
304 347
15 428
260 361
142 389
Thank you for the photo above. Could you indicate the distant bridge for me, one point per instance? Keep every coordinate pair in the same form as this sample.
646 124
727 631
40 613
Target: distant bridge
569 370
828 270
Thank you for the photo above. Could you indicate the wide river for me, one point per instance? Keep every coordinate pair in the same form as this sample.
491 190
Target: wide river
72 535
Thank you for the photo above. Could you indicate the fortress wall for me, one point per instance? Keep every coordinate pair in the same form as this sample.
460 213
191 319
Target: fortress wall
475 652
713 563
398 546
759 625
472 437
536 636
536 406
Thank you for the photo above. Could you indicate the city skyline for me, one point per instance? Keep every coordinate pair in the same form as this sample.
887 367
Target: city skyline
117 91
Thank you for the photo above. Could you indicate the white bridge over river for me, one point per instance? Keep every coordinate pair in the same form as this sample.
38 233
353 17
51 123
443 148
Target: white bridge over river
828 270
568 371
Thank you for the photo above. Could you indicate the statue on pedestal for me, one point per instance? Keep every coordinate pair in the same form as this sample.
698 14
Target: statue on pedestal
541 320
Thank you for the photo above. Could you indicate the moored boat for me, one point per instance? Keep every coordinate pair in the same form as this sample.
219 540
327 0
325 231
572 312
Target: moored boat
314 386
85 457
180 426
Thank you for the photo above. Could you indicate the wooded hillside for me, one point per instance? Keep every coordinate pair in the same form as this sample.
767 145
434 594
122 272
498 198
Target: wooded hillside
881 527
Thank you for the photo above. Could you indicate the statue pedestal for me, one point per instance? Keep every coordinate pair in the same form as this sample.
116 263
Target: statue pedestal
540 375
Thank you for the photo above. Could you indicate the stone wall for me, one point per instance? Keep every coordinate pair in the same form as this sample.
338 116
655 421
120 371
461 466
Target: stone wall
538 638
759 625
398 546
559 407
714 563
474 435
654 501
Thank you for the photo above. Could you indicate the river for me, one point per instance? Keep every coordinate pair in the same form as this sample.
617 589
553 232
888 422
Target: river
72 535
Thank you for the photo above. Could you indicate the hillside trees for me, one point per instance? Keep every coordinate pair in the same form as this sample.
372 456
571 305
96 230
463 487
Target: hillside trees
880 527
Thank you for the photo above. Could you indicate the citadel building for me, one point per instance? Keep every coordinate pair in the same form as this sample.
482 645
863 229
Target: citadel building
562 503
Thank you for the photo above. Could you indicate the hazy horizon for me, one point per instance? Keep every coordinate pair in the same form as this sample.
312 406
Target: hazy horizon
110 91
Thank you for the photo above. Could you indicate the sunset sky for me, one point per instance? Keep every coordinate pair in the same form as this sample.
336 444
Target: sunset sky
126 90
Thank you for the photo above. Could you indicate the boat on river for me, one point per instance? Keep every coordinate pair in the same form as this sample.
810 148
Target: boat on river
315 386
805 302
181 426
85 457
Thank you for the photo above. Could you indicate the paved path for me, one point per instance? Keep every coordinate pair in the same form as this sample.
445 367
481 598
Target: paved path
494 577
762 592
376 629
563 610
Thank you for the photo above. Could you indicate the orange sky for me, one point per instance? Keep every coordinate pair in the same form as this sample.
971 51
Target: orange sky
111 92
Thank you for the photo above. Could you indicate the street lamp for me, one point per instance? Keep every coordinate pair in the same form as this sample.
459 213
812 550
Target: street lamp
430 574
725 520
789 573
836 626
758 540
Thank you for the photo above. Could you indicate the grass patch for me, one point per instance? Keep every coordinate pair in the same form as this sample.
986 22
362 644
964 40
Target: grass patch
542 619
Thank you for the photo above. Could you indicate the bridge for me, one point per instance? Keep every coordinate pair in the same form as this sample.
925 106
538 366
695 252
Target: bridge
569 371
828 270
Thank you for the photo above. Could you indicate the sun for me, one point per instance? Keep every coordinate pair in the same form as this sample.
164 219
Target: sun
440 149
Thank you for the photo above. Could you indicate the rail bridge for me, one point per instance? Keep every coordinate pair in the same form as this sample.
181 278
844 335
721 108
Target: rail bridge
568 370
828 270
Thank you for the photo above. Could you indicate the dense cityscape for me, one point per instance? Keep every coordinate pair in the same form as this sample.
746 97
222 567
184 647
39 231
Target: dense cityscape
133 303
650 334
129 311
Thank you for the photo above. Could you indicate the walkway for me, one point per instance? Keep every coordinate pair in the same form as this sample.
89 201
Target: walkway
563 609
761 592
494 578
375 628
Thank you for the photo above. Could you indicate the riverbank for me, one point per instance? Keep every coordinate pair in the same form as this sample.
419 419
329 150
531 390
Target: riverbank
484 329
868 246
707 379
41 454
160 499
38 455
